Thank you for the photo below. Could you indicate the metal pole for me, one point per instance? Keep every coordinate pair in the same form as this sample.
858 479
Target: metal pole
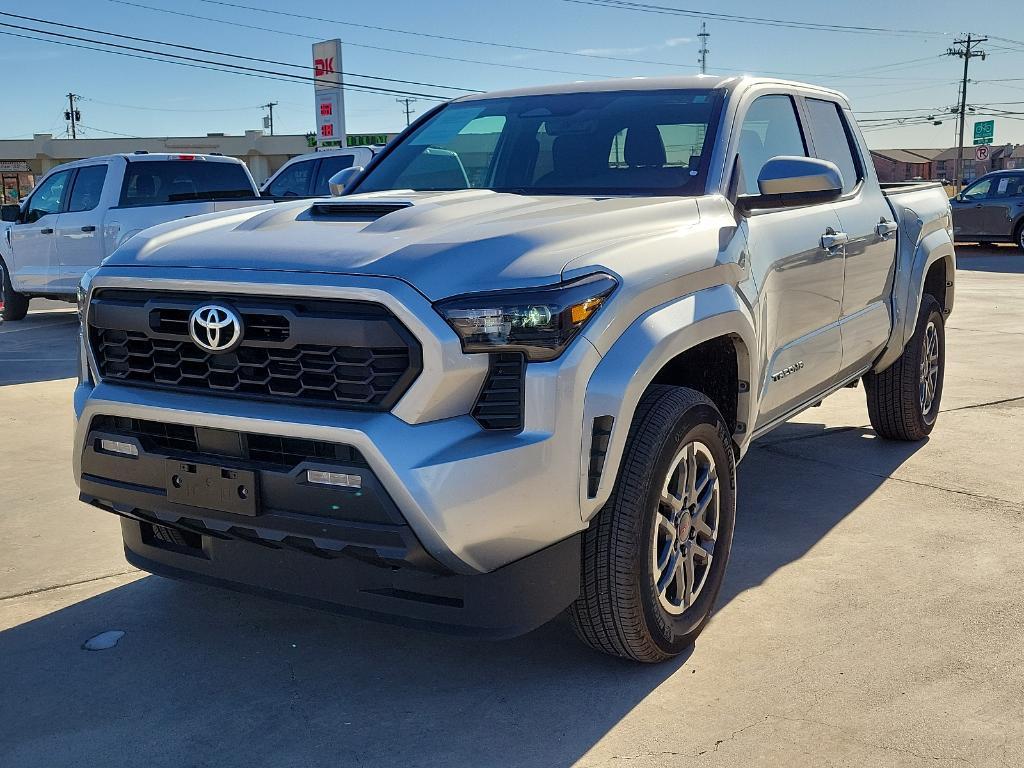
967 53
703 35
71 114
270 106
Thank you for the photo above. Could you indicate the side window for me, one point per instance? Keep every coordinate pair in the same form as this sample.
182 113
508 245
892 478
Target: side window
329 166
47 197
293 180
85 194
1009 186
979 191
832 140
770 129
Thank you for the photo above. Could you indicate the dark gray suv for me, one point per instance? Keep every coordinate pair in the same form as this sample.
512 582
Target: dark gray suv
991 210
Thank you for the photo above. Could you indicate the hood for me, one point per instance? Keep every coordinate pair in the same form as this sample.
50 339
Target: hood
442 243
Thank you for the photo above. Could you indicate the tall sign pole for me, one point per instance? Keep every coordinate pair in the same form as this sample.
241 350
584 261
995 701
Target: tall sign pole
966 51
328 90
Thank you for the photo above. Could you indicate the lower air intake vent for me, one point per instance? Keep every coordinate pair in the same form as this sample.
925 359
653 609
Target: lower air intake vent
501 401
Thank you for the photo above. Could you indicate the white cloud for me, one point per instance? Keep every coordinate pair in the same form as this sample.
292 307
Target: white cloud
672 42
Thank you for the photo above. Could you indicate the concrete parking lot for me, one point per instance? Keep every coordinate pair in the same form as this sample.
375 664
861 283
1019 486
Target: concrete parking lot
873 614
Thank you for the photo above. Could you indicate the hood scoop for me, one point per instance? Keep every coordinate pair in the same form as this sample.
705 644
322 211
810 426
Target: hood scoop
354 211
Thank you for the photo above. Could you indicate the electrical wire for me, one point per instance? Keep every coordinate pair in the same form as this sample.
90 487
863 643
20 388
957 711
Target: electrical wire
304 67
271 30
756 20
217 65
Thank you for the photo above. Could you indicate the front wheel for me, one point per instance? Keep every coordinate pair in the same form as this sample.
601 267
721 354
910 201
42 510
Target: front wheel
655 556
903 400
13 306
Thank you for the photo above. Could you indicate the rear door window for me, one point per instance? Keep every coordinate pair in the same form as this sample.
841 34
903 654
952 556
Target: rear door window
832 140
159 182
88 187
329 166
293 181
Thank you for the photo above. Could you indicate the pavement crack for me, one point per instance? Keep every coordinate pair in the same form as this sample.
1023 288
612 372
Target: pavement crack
846 467
41 590
983 405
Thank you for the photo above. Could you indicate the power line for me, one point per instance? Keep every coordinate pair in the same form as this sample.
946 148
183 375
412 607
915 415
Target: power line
433 36
439 57
168 109
760 21
218 66
304 67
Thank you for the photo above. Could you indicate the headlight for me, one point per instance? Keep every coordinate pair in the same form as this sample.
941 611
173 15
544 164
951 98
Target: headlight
539 322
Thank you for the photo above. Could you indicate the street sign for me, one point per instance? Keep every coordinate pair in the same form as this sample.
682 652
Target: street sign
981 153
984 129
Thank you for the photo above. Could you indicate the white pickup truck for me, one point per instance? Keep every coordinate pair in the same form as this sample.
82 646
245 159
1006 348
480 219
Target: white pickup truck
512 369
309 175
80 212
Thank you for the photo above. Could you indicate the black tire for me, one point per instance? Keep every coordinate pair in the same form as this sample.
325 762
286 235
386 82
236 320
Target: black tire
619 610
15 305
1018 236
894 395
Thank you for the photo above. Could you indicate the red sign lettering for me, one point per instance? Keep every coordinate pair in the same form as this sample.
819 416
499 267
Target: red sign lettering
327 130
323 67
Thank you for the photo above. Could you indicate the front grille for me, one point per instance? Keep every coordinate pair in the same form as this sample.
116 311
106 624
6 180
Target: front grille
343 353
187 442
501 401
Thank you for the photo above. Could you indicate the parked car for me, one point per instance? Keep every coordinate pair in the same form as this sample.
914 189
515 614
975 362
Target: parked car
80 212
991 210
309 175
512 369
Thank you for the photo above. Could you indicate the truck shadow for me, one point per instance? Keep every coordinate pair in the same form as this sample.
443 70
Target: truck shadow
205 677
42 347
1007 259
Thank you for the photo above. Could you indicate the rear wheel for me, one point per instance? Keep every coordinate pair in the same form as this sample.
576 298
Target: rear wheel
1019 237
14 305
654 558
903 400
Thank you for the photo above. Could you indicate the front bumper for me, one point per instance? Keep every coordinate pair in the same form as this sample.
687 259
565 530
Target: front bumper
462 514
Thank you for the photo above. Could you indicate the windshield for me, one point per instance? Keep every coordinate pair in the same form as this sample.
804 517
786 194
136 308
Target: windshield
602 143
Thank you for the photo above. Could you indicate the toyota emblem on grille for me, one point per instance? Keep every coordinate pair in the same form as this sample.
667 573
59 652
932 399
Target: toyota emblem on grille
215 328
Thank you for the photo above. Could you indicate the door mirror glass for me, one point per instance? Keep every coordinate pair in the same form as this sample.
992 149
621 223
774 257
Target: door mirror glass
343 179
10 212
786 182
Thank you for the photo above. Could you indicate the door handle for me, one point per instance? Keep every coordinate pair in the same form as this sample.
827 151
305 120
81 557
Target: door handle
47 231
886 228
831 239
89 228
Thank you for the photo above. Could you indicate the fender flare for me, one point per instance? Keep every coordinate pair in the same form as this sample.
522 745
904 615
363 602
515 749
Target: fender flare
928 245
639 354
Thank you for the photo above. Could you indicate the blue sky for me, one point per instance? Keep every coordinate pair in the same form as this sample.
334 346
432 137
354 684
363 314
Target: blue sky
878 72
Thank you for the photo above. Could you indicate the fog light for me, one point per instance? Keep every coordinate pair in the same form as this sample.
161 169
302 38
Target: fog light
116 446
337 479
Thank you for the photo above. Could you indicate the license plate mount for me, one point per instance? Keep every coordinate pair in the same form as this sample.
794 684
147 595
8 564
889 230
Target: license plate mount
208 486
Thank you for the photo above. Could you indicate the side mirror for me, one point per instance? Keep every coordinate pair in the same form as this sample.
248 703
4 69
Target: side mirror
10 212
343 178
788 182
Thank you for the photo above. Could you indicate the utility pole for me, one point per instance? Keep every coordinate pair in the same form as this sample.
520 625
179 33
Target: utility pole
703 35
408 109
72 115
966 51
270 121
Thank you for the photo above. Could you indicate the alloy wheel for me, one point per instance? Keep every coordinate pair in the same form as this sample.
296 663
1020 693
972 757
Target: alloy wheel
685 528
929 378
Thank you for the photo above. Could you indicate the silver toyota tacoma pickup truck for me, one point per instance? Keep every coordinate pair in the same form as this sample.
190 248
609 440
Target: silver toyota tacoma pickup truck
510 371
